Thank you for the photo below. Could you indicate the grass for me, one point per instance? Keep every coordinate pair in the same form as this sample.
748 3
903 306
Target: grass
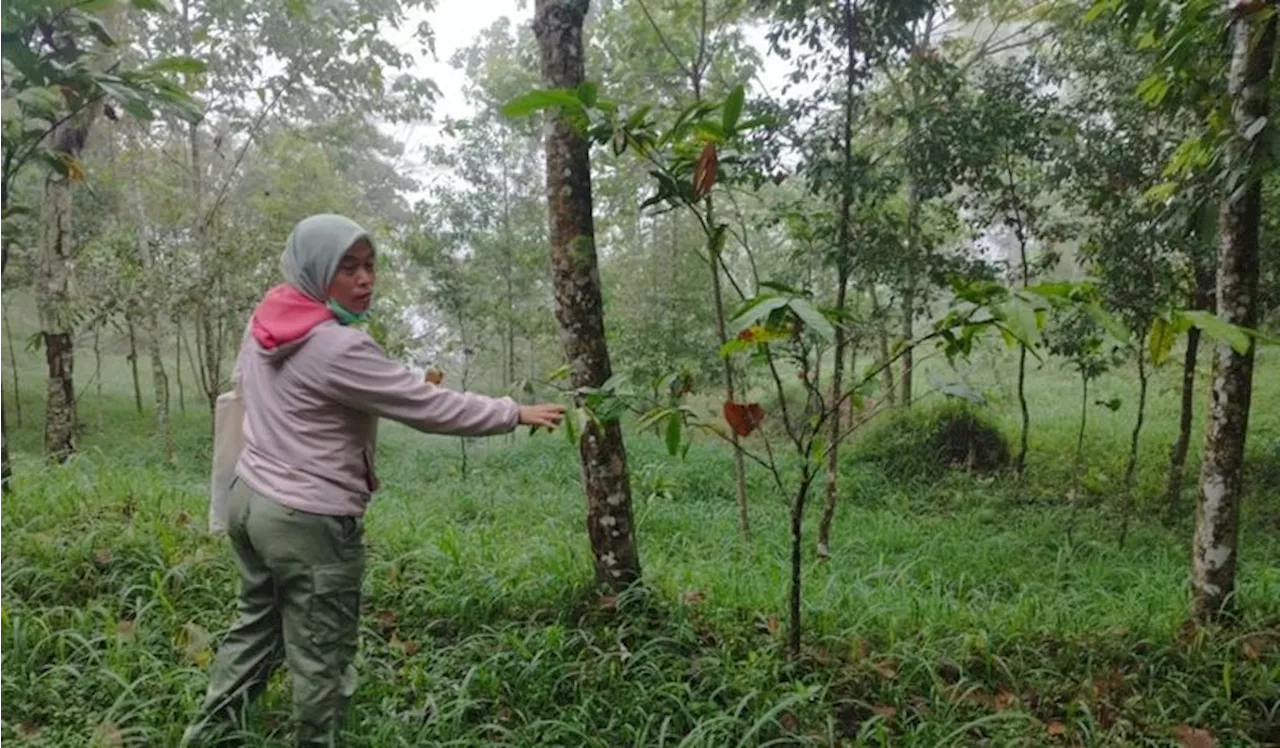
953 611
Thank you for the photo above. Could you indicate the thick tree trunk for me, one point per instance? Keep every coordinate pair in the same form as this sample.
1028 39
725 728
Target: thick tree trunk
1213 584
579 305
53 300
844 254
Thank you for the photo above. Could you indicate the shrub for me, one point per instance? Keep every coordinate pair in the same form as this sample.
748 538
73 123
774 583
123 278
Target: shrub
926 441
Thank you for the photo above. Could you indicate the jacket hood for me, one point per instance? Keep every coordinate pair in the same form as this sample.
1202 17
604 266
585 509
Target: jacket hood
284 317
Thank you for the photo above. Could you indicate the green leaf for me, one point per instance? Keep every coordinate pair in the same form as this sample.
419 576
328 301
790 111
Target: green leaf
44 99
636 119
673 433
1219 329
99 30
1055 289
1020 319
1160 341
733 109
588 93
545 98
716 243
1108 322
755 310
1160 192
179 64
813 319
153 6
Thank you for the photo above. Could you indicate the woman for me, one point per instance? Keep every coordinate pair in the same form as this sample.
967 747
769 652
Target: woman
313 389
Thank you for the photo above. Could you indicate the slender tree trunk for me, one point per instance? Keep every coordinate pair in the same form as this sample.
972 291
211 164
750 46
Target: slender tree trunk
177 365
1025 436
797 578
1253 34
1132 462
97 373
579 305
53 300
1078 465
717 297
909 293
1178 455
13 367
6 468
882 340
133 360
151 327
844 258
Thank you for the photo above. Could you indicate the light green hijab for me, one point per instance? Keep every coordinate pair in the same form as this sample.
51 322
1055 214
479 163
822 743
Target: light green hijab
311 256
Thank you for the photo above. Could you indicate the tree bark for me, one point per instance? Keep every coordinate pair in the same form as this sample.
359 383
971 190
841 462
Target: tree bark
133 360
1178 456
6 468
151 326
579 304
1253 34
53 300
1132 463
177 365
844 254
13 367
882 340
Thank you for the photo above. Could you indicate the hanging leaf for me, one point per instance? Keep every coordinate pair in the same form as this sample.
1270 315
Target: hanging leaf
546 98
733 109
179 64
1160 341
812 318
673 433
743 419
705 172
1219 329
755 310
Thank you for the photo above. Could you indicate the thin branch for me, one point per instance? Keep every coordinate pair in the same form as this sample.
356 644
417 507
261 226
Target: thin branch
663 39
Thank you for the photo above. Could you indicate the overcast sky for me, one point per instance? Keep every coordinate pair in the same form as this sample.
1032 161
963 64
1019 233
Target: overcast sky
456 24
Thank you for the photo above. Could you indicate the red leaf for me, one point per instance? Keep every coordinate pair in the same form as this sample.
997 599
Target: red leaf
705 172
743 419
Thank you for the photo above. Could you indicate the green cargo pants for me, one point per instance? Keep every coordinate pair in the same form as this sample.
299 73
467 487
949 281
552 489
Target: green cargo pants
299 602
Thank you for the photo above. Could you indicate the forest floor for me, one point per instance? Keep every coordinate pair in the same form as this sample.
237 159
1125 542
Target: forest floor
953 612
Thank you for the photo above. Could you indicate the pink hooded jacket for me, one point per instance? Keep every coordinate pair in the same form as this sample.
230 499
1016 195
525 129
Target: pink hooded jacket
313 391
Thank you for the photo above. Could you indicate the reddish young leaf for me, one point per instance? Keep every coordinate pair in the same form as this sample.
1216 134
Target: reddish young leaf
705 172
743 419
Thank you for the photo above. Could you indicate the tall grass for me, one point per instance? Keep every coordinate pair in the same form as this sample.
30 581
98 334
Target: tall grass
953 611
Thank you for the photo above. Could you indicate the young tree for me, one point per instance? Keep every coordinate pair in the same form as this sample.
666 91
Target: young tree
1253 52
579 307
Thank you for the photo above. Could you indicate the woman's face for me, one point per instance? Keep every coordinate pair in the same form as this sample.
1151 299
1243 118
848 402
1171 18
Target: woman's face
352 285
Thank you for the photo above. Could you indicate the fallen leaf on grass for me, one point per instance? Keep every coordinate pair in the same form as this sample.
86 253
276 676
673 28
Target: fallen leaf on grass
884 711
408 648
194 641
608 602
27 731
888 669
789 721
103 557
773 625
1194 737
1253 647
1006 699
1056 729
125 629
108 735
692 597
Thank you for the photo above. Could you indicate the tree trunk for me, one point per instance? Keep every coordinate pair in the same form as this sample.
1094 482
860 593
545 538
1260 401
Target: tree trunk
13 367
97 372
797 578
1025 436
53 300
579 305
151 328
739 466
133 360
909 293
1178 456
1078 465
177 365
1132 462
882 340
6 469
1253 36
843 259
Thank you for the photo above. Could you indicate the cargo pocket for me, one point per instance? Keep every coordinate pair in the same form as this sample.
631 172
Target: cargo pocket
334 616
